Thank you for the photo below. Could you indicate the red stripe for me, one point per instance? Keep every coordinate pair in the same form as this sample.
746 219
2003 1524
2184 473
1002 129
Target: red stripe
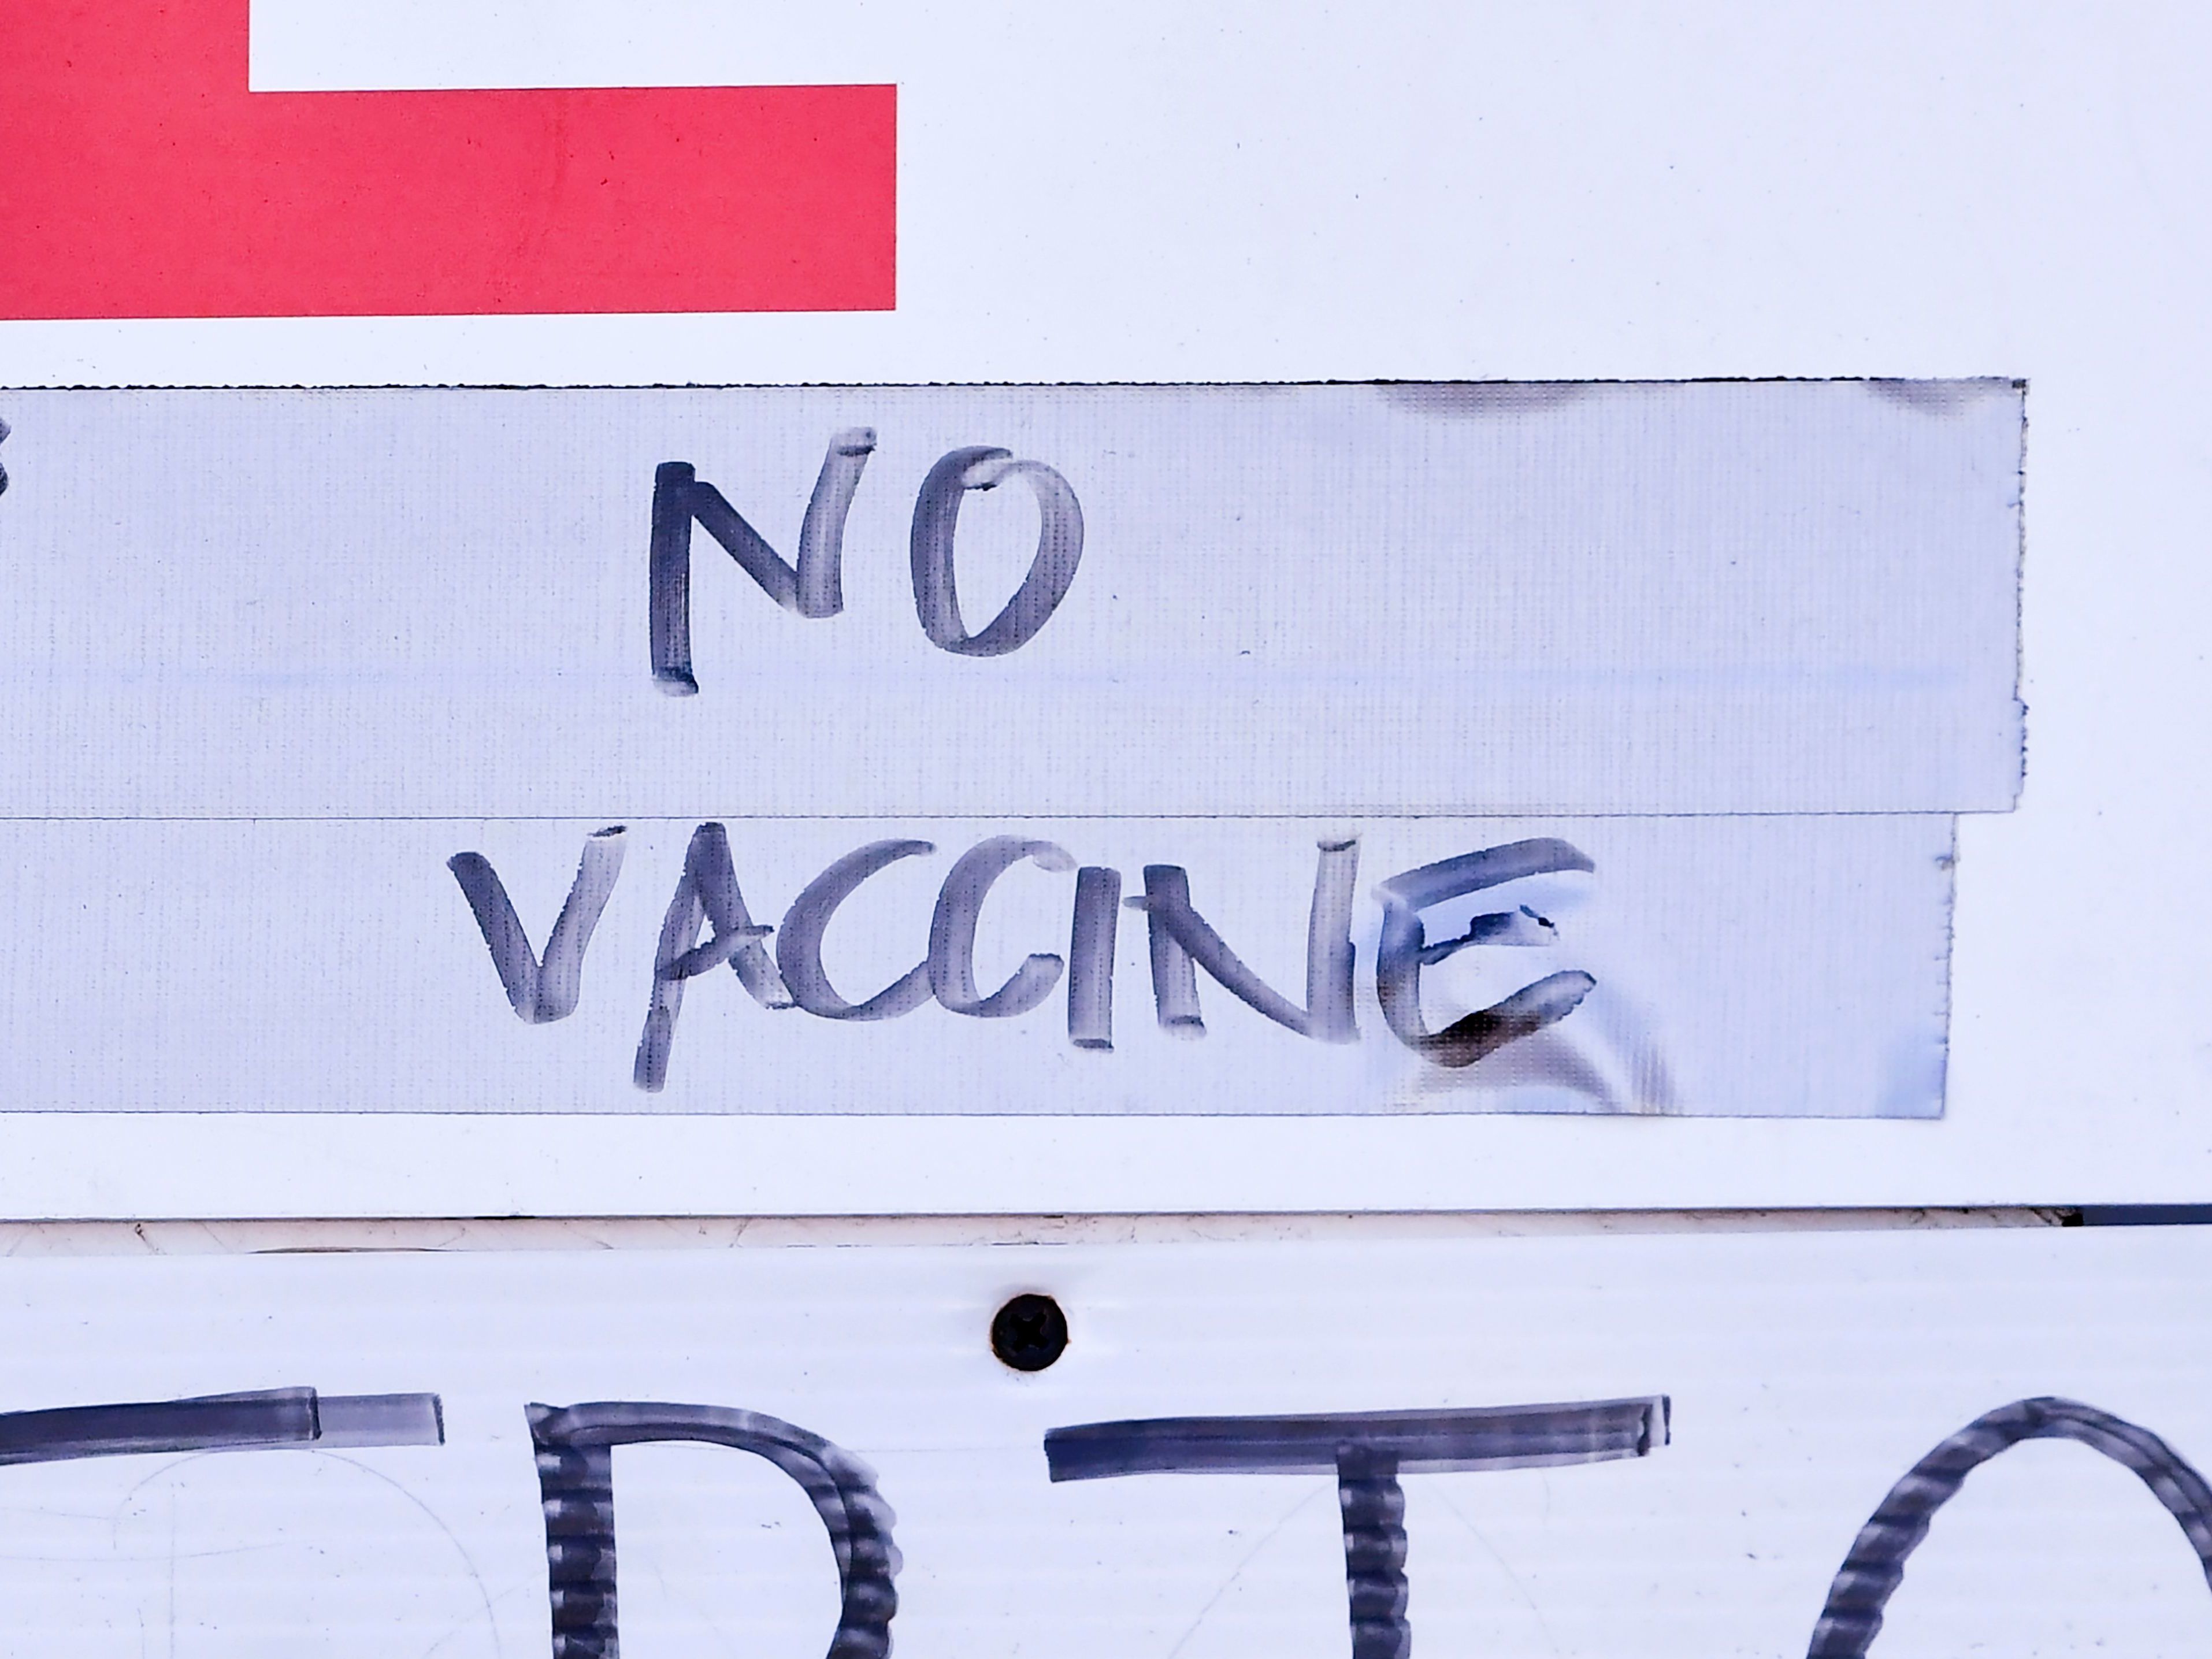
139 178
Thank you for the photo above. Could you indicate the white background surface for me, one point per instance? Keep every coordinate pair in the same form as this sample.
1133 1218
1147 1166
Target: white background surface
1802 1371
1238 192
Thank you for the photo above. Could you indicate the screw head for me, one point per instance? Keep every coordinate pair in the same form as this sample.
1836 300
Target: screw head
1028 1333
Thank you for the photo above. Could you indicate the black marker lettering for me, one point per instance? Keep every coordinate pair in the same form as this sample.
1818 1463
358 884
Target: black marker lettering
1091 957
813 589
256 1421
1181 939
1366 1451
936 518
1875 1564
952 932
1404 949
706 893
542 992
798 946
576 1482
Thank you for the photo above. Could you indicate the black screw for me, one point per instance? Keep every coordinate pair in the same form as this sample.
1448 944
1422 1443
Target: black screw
1030 1332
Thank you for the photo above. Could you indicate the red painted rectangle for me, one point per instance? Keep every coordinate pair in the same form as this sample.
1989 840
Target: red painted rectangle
144 179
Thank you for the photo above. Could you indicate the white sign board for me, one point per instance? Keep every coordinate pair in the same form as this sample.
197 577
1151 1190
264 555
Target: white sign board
1835 1444
1161 196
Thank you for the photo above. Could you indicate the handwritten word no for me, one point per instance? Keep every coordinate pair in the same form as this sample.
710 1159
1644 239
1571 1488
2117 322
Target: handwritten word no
813 584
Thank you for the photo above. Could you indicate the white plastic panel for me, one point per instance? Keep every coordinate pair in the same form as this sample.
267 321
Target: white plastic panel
1803 1375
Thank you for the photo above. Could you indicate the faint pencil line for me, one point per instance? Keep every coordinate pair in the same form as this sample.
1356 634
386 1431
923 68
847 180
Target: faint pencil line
1230 1583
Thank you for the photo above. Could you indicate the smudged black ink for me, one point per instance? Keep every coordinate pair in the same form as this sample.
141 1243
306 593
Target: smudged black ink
1367 1452
1182 941
798 946
546 990
936 520
1518 927
1403 948
574 1447
1090 957
706 893
264 1419
814 587
1875 1565
952 931
1483 399
1941 397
